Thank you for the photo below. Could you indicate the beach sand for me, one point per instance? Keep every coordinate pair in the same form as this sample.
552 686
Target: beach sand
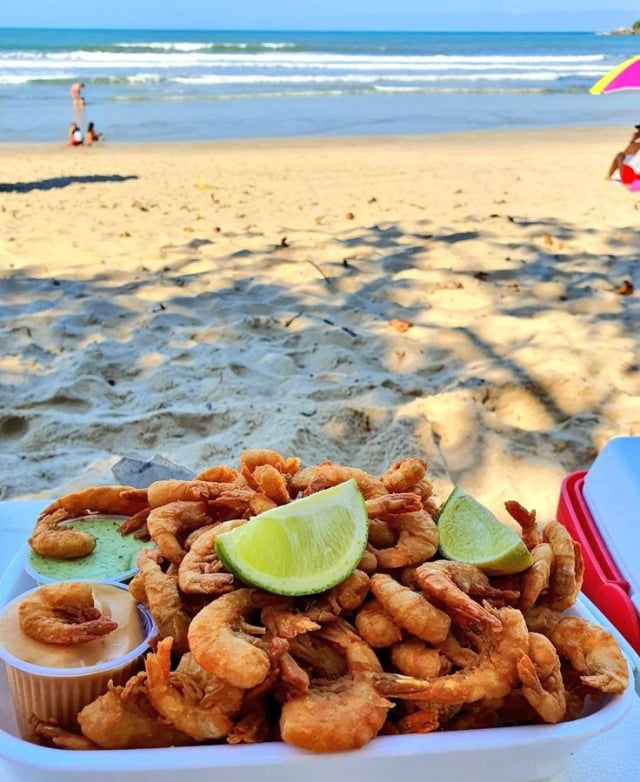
465 298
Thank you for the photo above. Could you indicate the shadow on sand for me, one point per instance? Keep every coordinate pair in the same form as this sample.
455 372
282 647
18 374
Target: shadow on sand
62 181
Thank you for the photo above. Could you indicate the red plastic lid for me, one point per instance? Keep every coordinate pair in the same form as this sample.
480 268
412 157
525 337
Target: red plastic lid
603 584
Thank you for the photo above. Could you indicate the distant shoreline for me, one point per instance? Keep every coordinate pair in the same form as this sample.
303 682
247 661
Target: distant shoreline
622 31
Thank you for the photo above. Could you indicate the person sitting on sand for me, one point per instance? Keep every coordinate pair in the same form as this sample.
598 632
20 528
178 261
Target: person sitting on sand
75 135
625 157
92 134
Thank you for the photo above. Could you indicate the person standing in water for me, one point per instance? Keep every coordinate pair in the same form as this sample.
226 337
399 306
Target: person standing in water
78 101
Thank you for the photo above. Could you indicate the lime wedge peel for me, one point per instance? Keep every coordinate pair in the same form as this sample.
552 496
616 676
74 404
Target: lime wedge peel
469 532
302 548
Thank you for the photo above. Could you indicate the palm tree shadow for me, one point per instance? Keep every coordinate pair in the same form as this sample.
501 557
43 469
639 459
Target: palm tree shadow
63 181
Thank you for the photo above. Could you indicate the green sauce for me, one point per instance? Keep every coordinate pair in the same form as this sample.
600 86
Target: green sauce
114 555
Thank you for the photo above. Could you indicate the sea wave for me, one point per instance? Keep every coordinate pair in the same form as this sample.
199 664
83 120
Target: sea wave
190 46
199 59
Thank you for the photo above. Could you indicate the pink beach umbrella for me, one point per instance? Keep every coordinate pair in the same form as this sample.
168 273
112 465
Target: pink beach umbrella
625 76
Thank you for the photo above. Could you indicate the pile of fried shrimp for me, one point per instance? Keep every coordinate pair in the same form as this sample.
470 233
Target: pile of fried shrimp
407 643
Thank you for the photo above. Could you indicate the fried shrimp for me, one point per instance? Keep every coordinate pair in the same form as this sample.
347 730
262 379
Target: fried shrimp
326 474
531 533
55 736
201 571
417 540
535 578
51 538
164 492
567 569
123 718
168 522
284 621
242 502
590 649
405 642
454 585
493 676
541 678
187 701
414 658
272 483
63 613
410 609
224 643
405 502
404 475
162 598
334 716
358 654
376 626
341 714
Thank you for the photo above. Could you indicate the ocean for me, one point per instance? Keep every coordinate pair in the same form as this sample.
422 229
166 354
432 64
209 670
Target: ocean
205 85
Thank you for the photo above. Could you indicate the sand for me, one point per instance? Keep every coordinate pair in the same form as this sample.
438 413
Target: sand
471 299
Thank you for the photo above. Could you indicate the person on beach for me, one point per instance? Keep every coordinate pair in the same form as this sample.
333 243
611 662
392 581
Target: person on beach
76 137
77 100
626 157
92 134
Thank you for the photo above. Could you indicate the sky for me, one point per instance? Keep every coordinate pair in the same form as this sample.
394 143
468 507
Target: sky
474 15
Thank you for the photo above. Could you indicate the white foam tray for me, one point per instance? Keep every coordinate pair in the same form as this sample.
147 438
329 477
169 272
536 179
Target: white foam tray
517 754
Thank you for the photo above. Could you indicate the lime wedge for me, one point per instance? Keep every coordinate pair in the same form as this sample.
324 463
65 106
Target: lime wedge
302 548
470 533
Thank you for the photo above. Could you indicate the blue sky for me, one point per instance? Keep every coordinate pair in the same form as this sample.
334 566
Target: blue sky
325 14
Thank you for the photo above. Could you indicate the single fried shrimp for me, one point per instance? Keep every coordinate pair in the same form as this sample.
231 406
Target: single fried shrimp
162 598
326 474
590 649
123 718
220 473
163 492
376 625
494 675
453 584
567 567
242 502
187 701
404 475
414 658
410 609
167 522
341 714
380 534
531 532
357 652
417 540
535 579
351 593
322 658
201 571
334 716
541 677
272 483
52 539
283 621
253 458
63 613
53 735
382 506
224 643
